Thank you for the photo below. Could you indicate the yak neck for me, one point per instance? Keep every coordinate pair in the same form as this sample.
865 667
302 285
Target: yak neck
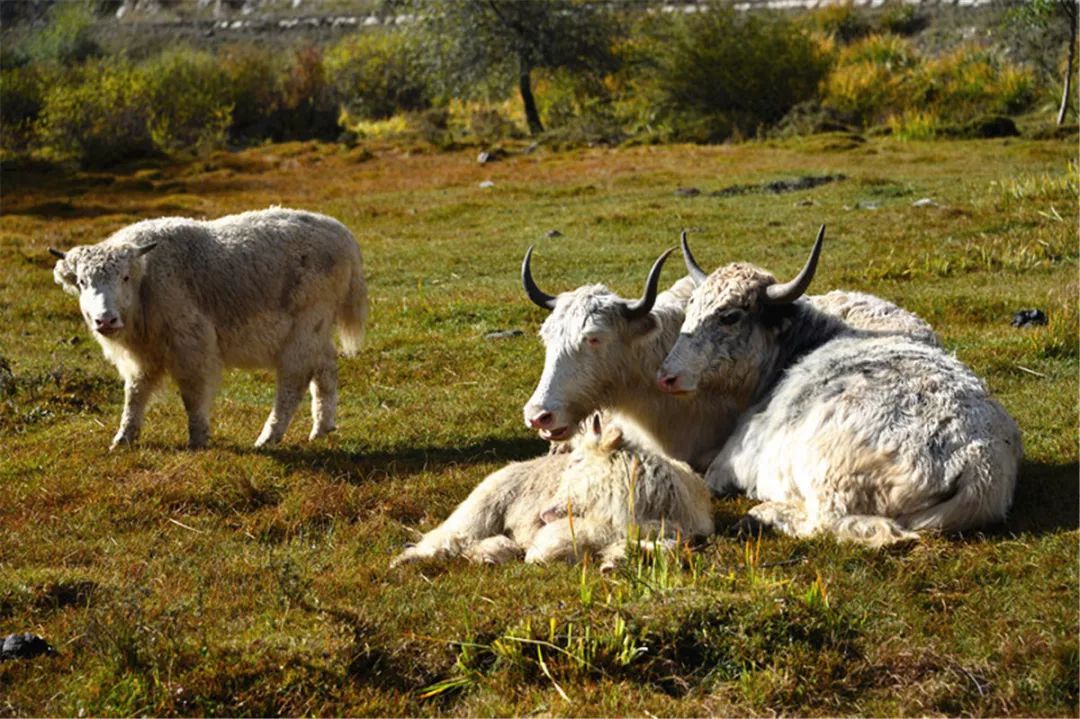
807 329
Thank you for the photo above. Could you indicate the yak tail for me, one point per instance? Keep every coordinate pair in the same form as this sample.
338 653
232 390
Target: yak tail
352 317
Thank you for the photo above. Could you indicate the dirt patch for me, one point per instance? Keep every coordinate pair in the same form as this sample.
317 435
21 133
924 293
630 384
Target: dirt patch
779 187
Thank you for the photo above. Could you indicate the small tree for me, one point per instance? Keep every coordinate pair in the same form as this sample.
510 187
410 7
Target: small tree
475 41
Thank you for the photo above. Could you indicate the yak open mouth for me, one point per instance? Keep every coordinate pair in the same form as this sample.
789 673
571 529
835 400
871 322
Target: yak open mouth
556 435
108 331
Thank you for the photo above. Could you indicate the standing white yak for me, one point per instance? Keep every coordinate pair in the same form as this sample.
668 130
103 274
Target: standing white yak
562 506
188 298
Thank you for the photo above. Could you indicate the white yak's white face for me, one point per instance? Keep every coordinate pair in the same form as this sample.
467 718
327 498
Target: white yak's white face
729 333
587 347
726 336
106 281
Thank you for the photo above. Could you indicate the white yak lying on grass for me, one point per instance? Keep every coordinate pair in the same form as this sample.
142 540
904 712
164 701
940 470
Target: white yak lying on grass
187 298
602 352
561 506
870 436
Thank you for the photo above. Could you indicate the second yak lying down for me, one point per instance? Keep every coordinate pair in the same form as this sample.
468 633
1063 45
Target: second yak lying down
562 506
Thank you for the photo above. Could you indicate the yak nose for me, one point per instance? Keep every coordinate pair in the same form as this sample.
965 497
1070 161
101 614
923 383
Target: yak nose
541 420
668 382
108 321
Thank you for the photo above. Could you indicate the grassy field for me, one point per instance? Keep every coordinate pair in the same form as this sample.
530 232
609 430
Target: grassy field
239 582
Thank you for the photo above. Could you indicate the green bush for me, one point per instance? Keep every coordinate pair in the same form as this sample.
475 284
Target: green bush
66 38
841 22
377 75
22 97
724 73
256 76
98 114
191 102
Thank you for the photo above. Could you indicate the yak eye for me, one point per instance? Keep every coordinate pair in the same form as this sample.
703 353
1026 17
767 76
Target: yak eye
125 278
730 318
593 340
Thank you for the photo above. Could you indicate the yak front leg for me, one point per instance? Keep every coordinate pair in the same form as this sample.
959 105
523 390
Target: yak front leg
137 392
197 391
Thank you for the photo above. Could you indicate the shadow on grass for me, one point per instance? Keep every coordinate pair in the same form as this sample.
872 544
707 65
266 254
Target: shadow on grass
1047 499
356 466
65 210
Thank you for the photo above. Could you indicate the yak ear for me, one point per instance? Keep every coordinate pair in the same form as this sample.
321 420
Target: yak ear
644 328
64 271
597 426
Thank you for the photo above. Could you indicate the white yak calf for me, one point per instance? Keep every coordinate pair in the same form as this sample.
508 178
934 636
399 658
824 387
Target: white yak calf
188 298
561 506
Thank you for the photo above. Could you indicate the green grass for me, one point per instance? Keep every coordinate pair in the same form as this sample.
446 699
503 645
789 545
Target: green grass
256 583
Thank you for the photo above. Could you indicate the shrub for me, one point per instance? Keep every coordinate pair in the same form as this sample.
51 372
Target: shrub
871 78
433 126
842 22
97 114
737 72
190 102
972 80
22 97
66 37
488 125
900 18
309 105
914 125
256 76
377 75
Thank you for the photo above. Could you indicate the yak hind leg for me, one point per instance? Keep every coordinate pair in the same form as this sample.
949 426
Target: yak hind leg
439 544
784 517
554 541
871 530
324 396
493 550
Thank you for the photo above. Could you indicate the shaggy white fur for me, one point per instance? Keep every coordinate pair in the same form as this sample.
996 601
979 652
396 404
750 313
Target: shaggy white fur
187 298
872 435
597 359
563 506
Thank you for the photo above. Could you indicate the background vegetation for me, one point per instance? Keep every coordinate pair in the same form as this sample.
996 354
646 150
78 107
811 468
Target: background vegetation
570 73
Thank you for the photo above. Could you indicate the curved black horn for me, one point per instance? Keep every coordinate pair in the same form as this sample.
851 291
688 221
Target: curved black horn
538 296
643 306
697 274
782 294
57 253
